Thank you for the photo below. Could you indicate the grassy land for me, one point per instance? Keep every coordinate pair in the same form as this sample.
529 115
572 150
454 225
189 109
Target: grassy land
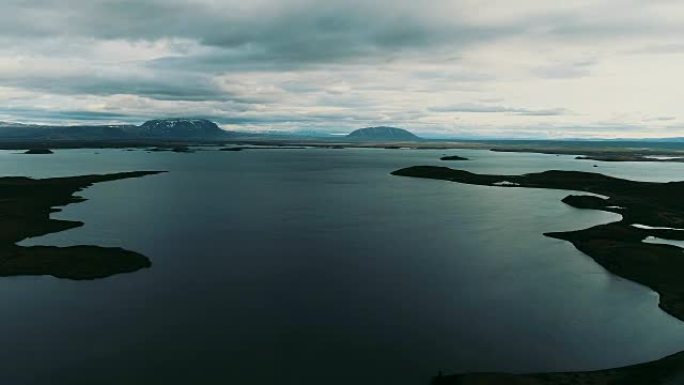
25 208
616 246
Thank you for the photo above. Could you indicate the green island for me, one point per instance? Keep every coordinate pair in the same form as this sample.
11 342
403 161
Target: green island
647 209
179 148
38 151
25 208
453 157
231 149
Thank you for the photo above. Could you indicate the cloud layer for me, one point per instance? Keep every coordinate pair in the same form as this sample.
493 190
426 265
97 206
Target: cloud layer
445 67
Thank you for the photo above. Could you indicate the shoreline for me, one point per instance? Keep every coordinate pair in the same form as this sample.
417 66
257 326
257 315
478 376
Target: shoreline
603 151
617 246
25 208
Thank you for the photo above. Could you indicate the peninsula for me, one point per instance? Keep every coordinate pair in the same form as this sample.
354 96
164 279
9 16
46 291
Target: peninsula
647 209
25 208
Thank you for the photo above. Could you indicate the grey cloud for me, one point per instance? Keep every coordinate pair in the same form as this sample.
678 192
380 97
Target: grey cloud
565 70
658 49
547 112
478 108
662 118
265 119
288 32
392 57
50 115
160 86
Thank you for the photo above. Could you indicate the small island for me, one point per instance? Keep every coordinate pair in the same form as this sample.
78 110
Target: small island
25 208
179 149
647 209
453 157
38 151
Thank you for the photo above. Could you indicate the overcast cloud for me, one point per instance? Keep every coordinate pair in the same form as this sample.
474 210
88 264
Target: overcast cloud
447 67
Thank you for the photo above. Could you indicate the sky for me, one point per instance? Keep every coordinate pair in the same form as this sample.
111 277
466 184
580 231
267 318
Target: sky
450 68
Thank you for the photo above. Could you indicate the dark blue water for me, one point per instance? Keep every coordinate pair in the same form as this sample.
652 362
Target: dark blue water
317 266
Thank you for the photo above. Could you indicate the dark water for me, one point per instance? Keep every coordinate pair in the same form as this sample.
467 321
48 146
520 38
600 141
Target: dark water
318 267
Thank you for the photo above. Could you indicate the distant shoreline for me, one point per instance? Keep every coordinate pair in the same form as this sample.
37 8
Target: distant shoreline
596 151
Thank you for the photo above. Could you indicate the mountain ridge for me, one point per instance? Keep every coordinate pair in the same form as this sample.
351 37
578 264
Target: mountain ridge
168 129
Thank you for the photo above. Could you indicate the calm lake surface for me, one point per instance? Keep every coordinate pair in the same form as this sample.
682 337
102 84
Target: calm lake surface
318 267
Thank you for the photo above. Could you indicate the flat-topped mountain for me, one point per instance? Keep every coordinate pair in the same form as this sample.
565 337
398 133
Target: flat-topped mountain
382 133
180 128
171 129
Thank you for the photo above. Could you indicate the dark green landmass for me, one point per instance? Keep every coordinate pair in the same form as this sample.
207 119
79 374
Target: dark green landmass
25 208
181 149
271 147
177 148
453 157
74 262
666 371
38 151
617 246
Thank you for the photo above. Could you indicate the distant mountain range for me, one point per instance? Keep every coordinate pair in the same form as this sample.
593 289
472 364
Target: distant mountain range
166 129
170 130
178 129
382 133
